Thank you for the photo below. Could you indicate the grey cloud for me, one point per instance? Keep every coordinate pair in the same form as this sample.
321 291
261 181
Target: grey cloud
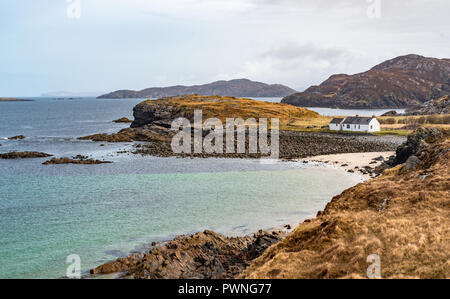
295 51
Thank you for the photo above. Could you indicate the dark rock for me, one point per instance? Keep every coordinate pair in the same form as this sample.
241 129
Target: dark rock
416 142
390 113
412 163
80 157
17 137
123 120
380 158
24 155
381 168
55 161
206 255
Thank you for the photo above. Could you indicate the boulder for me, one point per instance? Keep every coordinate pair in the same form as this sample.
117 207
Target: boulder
416 142
412 163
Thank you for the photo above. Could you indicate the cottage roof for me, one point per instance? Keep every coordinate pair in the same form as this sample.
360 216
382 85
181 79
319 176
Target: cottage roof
336 120
357 120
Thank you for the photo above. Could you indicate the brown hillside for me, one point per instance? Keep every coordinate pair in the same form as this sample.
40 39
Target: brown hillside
405 81
403 216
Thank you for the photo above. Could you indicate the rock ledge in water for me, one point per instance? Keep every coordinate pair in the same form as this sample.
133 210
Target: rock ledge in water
17 137
123 120
24 155
205 255
56 161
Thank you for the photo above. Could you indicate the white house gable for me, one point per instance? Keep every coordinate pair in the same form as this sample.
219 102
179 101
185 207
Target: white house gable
355 124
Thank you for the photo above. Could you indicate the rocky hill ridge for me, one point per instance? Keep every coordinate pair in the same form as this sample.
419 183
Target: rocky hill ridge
232 88
405 81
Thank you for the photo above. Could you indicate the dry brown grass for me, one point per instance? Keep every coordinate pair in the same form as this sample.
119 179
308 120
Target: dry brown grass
402 217
230 107
438 119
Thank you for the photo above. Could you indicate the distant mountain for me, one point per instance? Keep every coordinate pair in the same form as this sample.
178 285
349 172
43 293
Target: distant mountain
405 81
69 94
232 88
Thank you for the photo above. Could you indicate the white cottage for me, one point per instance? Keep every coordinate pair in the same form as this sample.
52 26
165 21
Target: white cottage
336 124
356 124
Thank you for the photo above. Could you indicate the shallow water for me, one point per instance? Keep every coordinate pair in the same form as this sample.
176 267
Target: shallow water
104 211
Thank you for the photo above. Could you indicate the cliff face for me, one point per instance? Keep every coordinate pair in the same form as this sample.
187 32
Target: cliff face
404 81
232 88
403 216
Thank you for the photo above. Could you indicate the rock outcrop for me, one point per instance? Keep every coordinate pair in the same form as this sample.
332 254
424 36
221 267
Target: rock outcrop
232 88
417 141
123 120
24 155
438 106
405 81
205 255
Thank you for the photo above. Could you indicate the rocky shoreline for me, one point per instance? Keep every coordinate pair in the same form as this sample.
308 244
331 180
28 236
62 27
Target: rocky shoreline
209 255
153 120
204 255
402 217
369 165
293 145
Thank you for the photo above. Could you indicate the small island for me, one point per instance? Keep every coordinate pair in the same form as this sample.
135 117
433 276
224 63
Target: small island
15 100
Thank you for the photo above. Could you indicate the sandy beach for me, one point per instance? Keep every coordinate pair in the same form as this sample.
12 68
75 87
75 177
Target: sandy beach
353 162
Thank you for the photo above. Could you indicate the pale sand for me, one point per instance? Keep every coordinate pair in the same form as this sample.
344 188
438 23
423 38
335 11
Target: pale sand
352 161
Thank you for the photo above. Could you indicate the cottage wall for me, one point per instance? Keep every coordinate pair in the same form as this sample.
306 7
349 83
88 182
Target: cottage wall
335 127
373 126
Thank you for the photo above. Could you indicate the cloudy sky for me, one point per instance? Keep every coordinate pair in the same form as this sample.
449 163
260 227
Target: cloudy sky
50 45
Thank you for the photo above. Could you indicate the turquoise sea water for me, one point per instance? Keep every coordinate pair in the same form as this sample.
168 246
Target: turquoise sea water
101 212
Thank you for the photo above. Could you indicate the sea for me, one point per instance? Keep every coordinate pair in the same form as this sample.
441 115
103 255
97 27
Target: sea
102 212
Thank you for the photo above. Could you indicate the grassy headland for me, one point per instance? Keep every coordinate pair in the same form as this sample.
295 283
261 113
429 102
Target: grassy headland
231 107
402 216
